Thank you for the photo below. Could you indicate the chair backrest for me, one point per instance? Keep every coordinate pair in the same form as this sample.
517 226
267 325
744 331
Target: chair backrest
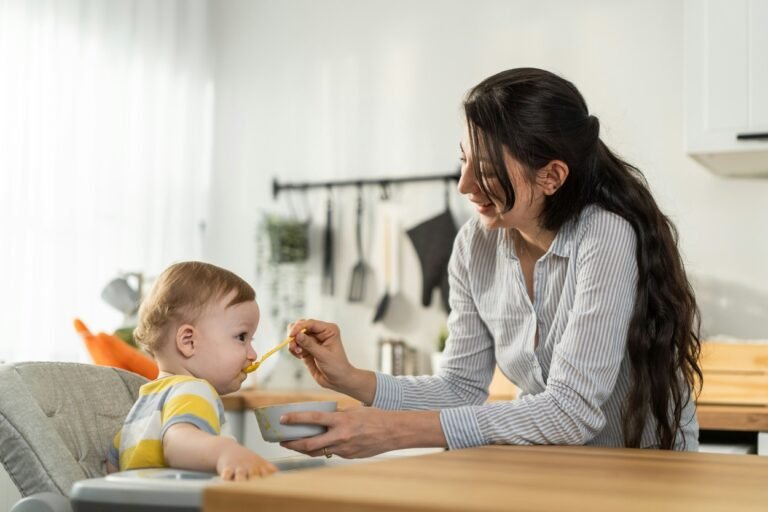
57 420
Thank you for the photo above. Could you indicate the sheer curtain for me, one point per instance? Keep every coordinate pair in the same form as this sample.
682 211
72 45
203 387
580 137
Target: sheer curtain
105 156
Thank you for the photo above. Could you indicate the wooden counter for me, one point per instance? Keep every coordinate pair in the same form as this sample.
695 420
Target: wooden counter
495 478
711 417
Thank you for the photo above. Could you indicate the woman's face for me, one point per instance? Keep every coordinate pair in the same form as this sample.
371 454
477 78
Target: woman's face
528 199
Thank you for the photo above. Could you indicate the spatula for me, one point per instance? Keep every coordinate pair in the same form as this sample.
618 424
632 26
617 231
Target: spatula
357 280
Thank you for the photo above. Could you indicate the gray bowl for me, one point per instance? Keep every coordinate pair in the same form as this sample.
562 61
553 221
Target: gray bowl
274 431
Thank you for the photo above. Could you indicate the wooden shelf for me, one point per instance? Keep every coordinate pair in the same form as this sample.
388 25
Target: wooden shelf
732 417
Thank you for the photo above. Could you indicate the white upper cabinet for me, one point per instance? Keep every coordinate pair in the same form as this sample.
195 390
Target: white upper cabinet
726 85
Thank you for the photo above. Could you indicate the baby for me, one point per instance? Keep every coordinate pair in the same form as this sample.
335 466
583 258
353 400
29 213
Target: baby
198 323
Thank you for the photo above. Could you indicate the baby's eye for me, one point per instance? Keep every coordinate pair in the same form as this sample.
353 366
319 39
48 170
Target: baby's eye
243 336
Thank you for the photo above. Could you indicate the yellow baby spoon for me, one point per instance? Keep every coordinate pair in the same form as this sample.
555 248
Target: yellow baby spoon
256 364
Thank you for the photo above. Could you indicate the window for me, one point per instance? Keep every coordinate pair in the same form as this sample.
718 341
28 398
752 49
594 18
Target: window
105 158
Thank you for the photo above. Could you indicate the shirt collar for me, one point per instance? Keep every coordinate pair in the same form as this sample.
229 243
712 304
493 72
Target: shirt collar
560 246
563 241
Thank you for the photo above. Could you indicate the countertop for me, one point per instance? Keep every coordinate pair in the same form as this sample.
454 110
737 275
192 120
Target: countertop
495 478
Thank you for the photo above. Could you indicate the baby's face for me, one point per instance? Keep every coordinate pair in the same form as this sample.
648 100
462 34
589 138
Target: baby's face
224 347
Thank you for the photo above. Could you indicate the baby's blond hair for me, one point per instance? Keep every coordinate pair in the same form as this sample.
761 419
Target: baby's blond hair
180 294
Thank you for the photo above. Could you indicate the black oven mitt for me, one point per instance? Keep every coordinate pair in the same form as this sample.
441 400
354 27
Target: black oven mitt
433 241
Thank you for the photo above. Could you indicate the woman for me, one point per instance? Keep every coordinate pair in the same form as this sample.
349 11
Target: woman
569 279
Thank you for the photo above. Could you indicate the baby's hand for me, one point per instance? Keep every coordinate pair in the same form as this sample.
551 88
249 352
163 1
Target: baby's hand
240 463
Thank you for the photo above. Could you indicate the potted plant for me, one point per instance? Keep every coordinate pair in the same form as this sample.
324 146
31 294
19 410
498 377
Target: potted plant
288 239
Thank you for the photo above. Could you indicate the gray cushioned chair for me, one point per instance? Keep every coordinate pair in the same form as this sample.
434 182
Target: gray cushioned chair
57 420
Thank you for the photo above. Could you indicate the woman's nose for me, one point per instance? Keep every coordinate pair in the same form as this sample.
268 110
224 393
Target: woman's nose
467 182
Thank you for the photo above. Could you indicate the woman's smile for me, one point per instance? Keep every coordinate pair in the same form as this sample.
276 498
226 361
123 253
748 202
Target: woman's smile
484 206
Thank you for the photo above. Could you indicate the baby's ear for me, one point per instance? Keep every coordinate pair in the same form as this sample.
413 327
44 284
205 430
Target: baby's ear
185 340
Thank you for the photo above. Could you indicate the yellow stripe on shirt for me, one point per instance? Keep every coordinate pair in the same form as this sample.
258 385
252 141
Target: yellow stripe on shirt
147 454
191 404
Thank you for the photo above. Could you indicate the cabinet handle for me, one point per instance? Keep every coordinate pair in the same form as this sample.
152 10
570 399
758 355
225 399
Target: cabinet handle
752 136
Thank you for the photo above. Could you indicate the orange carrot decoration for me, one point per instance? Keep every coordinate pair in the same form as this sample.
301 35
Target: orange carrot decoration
109 350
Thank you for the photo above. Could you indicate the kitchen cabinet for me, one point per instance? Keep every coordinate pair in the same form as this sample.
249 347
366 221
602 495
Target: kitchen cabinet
726 85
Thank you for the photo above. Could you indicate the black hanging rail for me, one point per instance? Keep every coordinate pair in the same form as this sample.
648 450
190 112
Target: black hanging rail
382 182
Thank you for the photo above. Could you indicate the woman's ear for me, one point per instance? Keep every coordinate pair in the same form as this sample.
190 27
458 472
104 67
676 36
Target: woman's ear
185 340
552 176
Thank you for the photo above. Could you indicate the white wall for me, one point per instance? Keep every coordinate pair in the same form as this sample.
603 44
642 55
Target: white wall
312 90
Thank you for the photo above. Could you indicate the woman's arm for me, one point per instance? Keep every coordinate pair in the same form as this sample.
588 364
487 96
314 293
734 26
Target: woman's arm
362 432
468 360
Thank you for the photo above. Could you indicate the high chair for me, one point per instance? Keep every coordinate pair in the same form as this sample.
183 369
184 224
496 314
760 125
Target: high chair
56 422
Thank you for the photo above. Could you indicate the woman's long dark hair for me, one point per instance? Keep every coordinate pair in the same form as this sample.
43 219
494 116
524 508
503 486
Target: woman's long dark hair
539 117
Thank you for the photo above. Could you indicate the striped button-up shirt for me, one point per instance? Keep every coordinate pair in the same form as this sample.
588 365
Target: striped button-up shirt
574 380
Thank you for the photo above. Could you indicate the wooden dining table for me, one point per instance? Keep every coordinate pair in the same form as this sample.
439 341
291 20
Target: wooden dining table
496 478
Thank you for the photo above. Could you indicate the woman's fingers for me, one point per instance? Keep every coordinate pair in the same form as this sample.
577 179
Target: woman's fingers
319 345
325 419
304 345
352 433
312 446
321 331
294 348
306 341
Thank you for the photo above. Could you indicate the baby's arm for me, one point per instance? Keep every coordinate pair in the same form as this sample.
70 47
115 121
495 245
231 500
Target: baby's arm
187 447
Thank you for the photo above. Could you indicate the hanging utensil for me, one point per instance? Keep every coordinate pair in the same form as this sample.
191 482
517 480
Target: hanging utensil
328 275
381 308
357 280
